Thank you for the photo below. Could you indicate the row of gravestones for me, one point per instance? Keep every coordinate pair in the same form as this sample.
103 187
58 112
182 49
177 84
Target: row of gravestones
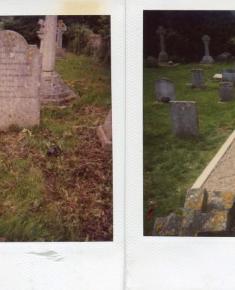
163 56
184 115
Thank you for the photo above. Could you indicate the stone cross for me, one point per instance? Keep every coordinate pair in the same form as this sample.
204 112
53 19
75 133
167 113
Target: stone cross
61 28
184 118
49 45
207 59
163 56
20 72
41 32
53 89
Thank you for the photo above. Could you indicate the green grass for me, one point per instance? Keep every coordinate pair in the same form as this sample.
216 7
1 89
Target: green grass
171 165
60 198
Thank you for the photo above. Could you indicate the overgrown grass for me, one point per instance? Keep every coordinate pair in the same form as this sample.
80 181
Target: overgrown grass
171 165
66 197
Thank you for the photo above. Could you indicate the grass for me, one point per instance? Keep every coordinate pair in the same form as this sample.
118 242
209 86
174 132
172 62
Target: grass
171 165
66 197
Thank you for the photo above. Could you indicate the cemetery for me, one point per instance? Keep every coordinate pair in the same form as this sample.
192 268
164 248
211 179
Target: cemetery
189 123
55 129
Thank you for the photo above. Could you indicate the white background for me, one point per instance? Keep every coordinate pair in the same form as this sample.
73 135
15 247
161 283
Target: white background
158 263
68 266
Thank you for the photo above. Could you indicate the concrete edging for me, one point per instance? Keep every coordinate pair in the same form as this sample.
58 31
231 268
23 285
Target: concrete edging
214 162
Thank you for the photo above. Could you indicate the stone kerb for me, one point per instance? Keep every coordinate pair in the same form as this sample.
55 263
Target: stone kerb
201 180
20 70
205 212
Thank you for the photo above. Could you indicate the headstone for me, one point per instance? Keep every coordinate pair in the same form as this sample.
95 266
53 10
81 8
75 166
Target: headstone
20 70
151 61
163 56
164 90
226 91
207 59
225 56
104 132
228 75
95 44
198 78
184 118
53 89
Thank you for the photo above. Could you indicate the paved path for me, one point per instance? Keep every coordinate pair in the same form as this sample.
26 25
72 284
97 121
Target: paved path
223 177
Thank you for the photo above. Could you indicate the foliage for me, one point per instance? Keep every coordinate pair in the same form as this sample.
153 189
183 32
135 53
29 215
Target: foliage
185 30
171 165
66 197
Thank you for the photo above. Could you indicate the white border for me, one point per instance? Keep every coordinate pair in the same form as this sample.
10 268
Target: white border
70 266
159 262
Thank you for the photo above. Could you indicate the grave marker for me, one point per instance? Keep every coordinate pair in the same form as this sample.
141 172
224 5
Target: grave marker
163 56
226 91
184 118
198 78
20 70
164 90
207 59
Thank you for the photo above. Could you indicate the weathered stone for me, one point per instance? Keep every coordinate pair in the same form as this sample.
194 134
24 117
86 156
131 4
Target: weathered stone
20 70
220 200
167 226
198 78
196 223
184 118
53 89
163 56
207 59
228 75
225 56
196 199
164 90
104 132
226 91
151 61
61 29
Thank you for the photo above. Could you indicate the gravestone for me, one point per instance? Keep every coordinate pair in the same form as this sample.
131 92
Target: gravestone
207 59
184 118
226 91
61 29
20 70
228 75
198 78
53 89
163 56
104 132
164 90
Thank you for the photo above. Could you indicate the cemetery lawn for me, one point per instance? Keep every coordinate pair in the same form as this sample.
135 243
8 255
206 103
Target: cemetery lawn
171 165
56 180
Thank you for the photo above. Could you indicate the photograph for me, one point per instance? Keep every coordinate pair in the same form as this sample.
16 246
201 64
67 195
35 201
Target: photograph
188 123
56 166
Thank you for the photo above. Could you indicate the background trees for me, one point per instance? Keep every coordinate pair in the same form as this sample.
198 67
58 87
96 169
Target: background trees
75 39
185 30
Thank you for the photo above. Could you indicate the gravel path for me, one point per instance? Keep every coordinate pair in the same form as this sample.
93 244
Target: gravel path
223 177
